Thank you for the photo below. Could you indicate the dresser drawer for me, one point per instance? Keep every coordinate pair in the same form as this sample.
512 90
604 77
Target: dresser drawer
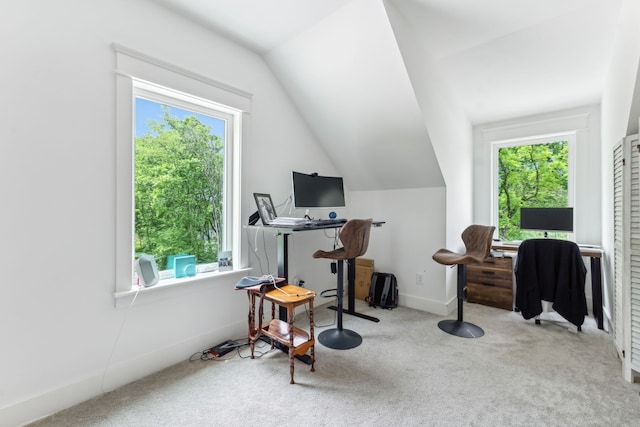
491 278
493 272
490 295
504 263
491 283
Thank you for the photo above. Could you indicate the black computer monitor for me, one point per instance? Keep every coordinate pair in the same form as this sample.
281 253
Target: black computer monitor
315 191
546 219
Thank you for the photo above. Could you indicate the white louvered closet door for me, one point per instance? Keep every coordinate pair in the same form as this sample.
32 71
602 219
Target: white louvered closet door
634 247
618 247
626 210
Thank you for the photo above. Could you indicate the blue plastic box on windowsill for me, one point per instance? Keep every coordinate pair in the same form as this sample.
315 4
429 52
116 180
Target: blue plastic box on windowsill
171 260
184 266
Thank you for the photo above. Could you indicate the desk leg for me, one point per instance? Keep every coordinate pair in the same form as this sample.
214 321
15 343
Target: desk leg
351 290
283 266
351 283
596 291
283 255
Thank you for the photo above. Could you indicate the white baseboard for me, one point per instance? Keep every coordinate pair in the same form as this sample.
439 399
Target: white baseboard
54 400
424 304
410 301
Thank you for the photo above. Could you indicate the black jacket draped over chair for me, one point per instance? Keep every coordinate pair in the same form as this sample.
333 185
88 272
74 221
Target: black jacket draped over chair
551 270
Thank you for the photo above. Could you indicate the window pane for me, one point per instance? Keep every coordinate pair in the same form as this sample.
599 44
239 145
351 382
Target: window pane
179 183
533 175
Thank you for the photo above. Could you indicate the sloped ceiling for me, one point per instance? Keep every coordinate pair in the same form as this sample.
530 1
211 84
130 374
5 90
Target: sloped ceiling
348 79
513 58
339 62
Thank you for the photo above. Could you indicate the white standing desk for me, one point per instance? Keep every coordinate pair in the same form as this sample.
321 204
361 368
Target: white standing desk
282 236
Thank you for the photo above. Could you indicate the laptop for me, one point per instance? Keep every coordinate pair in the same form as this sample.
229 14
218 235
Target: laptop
268 215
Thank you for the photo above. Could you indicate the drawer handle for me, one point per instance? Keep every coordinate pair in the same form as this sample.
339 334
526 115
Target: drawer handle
487 284
488 272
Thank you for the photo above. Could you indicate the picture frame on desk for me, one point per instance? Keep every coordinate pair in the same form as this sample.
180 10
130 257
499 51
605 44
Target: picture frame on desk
266 209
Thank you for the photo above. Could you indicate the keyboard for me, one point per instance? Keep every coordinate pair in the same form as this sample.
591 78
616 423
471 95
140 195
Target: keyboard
319 222
506 242
288 221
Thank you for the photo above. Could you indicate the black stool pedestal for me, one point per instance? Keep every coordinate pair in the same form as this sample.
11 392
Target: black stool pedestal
339 339
459 327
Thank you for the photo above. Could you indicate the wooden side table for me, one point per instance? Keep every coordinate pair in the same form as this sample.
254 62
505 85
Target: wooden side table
297 340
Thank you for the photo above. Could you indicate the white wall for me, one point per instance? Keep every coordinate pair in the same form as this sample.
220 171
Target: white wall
450 133
585 122
58 320
412 233
617 105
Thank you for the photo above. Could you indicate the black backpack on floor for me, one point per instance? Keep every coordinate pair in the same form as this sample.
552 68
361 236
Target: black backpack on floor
383 291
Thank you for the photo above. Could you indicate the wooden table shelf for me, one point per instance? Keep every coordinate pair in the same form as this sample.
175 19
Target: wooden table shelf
296 340
279 331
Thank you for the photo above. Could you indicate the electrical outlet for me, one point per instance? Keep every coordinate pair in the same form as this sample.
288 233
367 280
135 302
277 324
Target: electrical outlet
419 279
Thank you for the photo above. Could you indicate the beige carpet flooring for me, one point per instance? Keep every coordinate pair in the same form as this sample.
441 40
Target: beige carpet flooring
406 372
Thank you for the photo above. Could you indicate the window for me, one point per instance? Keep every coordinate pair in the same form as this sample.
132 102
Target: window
532 172
181 159
178 169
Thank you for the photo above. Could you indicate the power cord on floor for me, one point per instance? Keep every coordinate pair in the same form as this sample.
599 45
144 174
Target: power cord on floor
238 344
335 313
257 353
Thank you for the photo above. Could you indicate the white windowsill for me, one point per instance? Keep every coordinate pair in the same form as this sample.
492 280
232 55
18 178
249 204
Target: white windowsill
168 288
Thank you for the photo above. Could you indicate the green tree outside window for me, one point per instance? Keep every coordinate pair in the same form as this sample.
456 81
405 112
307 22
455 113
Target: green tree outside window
530 176
179 174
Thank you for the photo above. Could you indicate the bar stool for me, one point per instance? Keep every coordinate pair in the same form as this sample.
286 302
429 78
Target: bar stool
354 236
298 341
477 241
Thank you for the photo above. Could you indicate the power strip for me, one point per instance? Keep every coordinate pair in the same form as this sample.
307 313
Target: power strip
222 348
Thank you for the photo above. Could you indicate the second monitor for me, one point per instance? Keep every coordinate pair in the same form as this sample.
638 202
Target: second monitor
546 219
315 191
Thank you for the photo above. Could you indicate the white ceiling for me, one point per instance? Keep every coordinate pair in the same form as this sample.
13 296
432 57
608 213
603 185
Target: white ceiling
258 24
340 63
509 58
504 58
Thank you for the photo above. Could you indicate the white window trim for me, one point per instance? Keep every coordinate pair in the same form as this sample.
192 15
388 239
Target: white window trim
570 137
132 65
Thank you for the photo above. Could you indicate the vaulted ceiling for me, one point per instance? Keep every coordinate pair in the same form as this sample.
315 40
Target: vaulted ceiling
340 63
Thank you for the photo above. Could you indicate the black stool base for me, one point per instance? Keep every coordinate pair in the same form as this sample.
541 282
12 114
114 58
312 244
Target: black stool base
460 328
339 339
